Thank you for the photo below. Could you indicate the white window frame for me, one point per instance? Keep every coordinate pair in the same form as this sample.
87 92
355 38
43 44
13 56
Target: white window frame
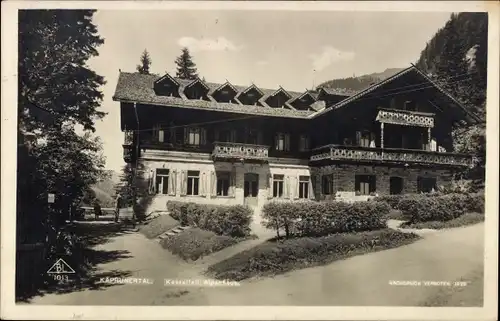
194 136
283 142
160 180
303 187
159 134
278 180
193 177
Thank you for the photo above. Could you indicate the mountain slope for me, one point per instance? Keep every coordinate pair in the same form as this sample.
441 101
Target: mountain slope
360 82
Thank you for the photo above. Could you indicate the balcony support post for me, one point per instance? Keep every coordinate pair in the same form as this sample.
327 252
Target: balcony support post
381 135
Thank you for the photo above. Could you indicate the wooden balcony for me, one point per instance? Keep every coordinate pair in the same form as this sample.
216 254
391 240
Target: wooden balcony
405 118
389 155
240 152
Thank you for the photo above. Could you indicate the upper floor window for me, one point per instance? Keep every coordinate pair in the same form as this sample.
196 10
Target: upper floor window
303 143
303 186
278 185
193 182
365 139
195 136
224 135
159 133
161 181
282 142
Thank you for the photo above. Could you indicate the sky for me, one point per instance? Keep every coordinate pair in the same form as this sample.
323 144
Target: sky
292 49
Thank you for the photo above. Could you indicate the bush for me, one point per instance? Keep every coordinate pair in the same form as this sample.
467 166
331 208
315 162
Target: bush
195 243
439 208
392 200
231 220
323 218
464 220
271 258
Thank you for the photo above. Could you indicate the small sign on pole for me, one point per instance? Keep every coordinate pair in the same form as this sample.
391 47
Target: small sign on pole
51 198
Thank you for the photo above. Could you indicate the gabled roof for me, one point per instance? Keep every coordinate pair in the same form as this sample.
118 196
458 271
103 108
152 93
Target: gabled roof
167 76
195 81
226 84
249 88
306 93
374 87
277 91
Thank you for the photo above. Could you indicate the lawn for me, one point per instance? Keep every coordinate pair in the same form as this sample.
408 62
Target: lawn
195 243
280 256
158 226
463 220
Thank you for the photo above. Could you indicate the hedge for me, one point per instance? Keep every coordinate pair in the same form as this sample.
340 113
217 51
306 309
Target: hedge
323 218
440 208
472 202
272 258
230 220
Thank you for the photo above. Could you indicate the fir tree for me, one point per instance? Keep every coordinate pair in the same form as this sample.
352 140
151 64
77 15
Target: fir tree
186 68
143 68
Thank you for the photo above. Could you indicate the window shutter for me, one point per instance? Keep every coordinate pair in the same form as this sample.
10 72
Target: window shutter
213 183
203 181
312 187
161 135
150 183
183 182
296 185
172 182
203 136
232 178
286 187
233 135
287 142
186 135
270 186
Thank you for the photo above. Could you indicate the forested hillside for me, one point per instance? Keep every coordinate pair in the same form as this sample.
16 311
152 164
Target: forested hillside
456 57
361 82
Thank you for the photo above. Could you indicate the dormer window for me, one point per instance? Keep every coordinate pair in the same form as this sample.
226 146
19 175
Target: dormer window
225 93
167 86
303 102
251 96
278 98
197 89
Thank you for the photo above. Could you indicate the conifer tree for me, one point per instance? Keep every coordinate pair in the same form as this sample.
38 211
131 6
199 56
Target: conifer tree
186 68
145 65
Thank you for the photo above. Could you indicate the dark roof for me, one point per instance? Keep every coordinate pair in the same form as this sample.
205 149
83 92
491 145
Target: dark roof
136 87
139 88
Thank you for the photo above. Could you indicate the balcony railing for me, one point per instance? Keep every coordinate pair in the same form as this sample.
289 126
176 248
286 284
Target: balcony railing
128 153
239 151
405 118
389 155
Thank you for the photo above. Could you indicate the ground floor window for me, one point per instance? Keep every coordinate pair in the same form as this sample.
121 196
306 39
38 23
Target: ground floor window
365 184
193 183
161 180
426 184
327 184
278 185
223 183
303 186
395 185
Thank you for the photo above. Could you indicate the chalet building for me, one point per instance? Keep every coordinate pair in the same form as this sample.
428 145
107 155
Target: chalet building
226 144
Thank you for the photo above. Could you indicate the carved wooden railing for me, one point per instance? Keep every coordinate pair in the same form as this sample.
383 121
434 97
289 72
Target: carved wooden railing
240 151
128 146
390 155
405 118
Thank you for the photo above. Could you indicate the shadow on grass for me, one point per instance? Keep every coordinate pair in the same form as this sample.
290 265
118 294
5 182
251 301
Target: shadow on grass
83 261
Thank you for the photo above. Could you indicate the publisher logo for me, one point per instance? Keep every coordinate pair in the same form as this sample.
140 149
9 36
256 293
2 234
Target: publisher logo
61 267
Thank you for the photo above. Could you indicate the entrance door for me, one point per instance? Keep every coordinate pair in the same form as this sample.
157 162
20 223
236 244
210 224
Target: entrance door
395 185
251 188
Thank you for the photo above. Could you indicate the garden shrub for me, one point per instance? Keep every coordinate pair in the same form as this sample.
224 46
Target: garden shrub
439 208
195 243
463 220
232 220
271 258
323 218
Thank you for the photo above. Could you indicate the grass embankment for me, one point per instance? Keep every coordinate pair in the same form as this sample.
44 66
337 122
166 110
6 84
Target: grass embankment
276 257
